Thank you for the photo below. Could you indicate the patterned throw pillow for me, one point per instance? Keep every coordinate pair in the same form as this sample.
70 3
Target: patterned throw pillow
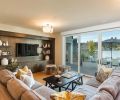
25 68
103 74
66 95
26 76
107 70
22 71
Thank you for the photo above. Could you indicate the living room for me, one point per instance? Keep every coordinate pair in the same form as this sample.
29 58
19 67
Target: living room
60 50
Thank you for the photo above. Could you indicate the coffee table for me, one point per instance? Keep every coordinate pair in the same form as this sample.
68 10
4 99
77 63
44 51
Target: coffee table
62 82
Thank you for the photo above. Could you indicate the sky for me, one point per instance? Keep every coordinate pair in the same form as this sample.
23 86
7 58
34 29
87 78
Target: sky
94 36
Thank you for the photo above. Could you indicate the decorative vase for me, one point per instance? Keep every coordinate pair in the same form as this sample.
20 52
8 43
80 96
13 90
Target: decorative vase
47 57
0 43
6 43
4 61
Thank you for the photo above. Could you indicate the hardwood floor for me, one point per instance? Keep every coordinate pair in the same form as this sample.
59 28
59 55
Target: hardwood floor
39 77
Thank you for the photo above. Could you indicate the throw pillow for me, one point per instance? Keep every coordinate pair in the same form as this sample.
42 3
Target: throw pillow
107 70
19 73
25 68
29 73
103 74
28 80
22 71
66 95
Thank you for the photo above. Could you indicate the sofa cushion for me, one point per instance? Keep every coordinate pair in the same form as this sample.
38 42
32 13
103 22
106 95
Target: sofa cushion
45 92
89 91
118 96
36 85
93 82
4 94
5 75
28 80
116 73
102 95
111 85
31 95
16 88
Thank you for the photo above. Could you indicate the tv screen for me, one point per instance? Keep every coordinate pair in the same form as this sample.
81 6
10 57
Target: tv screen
23 49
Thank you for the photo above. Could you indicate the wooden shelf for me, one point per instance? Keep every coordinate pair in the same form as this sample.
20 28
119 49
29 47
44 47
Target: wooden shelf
5 46
5 55
46 48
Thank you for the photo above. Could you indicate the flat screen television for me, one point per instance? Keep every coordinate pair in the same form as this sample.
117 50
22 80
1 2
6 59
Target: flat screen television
23 49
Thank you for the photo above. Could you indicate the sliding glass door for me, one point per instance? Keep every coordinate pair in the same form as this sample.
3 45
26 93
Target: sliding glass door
72 52
111 48
88 53
82 53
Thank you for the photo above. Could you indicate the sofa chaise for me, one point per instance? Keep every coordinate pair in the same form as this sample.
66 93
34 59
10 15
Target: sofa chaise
108 90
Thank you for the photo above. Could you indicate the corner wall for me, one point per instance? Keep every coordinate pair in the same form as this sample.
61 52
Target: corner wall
58 49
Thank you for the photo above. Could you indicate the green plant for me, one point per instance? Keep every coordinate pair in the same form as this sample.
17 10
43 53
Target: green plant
91 47
12 66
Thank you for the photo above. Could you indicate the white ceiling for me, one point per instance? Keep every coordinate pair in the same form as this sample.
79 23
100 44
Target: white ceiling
64 15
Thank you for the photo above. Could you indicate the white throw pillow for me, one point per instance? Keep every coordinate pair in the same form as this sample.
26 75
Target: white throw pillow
28 80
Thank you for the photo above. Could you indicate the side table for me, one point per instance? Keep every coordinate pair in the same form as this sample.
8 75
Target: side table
50 69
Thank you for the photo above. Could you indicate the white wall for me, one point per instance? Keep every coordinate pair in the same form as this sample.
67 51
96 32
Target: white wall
101 27
58 49
17 29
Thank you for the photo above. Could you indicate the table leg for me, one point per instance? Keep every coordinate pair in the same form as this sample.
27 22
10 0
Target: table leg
81 80
59 89
72 86
46 84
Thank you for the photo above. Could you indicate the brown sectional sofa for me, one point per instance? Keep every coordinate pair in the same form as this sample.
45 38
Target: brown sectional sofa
108 90
12 88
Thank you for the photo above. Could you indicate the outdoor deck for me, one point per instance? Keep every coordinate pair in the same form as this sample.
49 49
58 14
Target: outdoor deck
88 68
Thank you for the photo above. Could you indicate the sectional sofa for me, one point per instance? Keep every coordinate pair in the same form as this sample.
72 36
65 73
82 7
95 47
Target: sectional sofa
12 88
108 90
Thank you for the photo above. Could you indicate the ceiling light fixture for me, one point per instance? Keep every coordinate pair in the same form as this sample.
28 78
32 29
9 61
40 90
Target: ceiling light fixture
48 28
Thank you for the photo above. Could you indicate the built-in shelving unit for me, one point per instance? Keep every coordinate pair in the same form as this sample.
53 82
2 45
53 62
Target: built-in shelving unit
47 44
5 51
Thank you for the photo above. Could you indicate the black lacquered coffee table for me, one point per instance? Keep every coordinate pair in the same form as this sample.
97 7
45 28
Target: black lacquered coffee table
62 82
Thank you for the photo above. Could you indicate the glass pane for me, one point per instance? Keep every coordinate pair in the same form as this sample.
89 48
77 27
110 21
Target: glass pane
88 53
111 48
72 52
